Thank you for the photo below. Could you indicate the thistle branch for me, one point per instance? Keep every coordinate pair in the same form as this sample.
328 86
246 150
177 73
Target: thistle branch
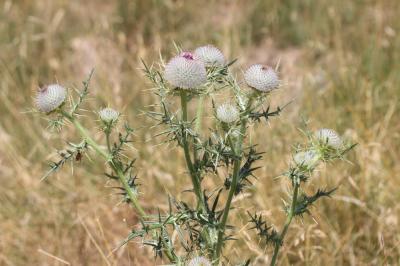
289 219
108 157
235 177
185 143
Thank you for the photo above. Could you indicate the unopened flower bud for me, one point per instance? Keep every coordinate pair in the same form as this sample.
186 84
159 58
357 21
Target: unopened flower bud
199 261
210 56
50 97
329 137
108 115
227 113
261 78
235 133
185 71
306 159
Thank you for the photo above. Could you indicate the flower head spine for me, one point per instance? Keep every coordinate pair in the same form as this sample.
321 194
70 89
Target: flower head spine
261 78
210 55
185 71
50 97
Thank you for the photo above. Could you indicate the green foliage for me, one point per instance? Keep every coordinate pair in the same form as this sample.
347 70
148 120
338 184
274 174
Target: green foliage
267 233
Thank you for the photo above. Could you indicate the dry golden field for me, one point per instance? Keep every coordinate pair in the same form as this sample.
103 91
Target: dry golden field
339 62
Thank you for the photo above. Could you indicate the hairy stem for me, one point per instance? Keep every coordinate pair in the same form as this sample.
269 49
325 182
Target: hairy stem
199 116
287 224
199 113
232 190
168 251
108 141
193 174
235 178
121 176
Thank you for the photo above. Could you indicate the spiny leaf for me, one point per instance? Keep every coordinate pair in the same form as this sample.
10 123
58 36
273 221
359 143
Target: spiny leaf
304 201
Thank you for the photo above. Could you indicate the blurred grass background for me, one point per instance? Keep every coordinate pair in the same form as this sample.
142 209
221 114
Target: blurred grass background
340 62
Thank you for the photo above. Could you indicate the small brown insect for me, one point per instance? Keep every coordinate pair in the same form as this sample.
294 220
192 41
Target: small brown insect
78 156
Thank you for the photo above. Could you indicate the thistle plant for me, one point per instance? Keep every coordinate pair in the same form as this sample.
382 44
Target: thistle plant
220 158
52 101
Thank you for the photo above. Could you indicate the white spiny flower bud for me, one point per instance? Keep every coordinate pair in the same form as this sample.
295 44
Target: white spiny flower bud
199 261
185 71
210 55
307 159
227 113
50 97
108 115
261 78
329 137
235 133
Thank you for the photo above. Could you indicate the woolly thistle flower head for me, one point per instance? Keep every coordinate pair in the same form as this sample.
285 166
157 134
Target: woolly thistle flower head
50 97
185 71
227 113
307 159
329 138
108 115
210 55
261 78
199 261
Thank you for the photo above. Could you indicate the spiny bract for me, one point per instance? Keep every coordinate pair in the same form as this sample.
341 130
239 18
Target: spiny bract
261 78
50 97
210 55
199 261
329 137
185 71
227 113
108 115
307 159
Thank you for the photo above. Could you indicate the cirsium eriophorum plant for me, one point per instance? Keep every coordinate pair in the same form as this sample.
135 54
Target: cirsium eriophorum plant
201 226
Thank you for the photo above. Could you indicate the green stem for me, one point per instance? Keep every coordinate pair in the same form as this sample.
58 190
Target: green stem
235 179
232 190
86 135
132 196
234 183
108 158
199 113
287 224
193 175
108 140
168 251
199 116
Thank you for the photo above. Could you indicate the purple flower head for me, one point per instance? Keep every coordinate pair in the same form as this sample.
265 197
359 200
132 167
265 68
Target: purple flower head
185 71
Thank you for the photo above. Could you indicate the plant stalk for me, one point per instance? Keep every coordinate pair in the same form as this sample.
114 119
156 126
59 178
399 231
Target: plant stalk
108 158
199 117
235 179
108 141
193 175
287 224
